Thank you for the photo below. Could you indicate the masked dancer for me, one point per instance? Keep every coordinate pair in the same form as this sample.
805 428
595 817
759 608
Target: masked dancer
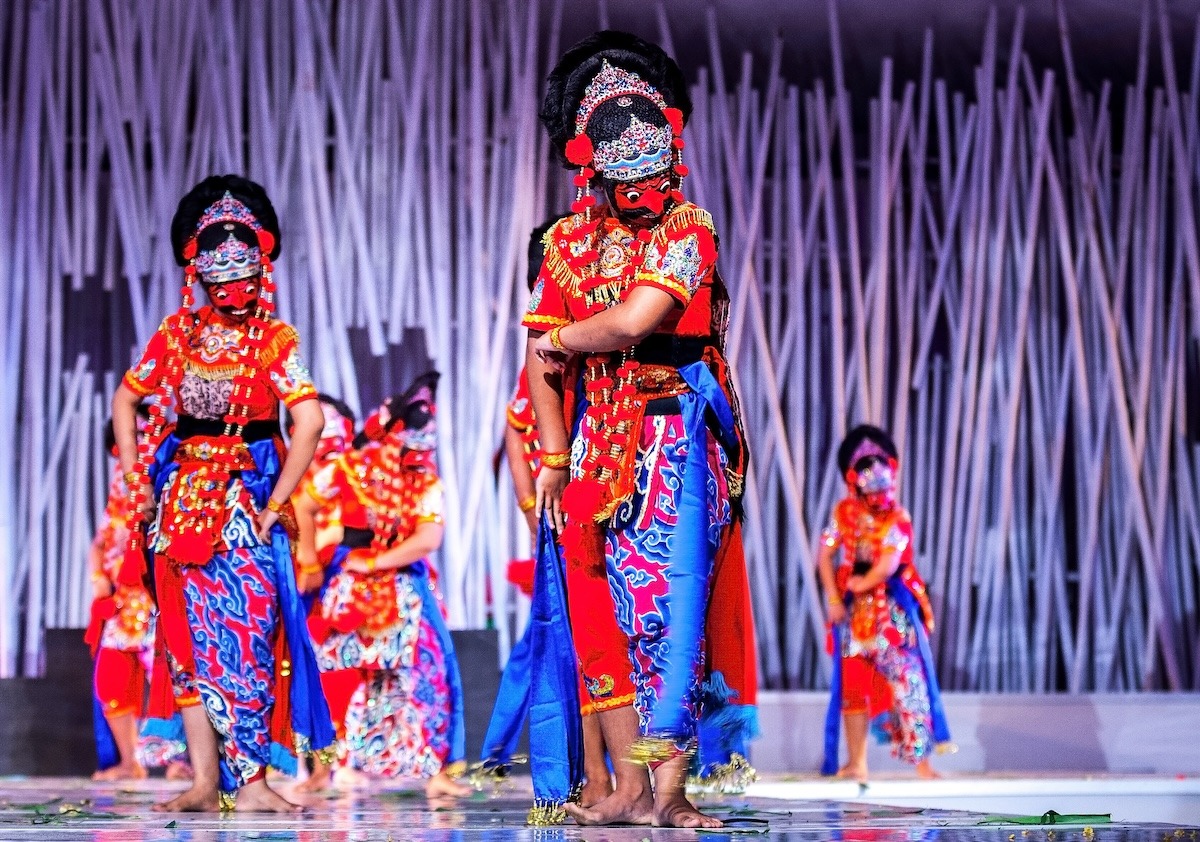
233 651
379 615
338 685
641 492
880 616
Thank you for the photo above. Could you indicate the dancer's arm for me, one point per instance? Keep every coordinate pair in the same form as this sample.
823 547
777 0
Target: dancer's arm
425 539
885 565
307 421
833 599
522 476
124 418
306 550
620 326
546 393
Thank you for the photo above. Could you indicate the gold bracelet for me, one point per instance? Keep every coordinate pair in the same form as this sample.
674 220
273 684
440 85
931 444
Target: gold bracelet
527 504
556 339
133 478
274 506
371 564
308 570
558 460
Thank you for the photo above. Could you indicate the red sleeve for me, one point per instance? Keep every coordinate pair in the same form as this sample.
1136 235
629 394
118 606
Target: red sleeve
547 306
326 484
289 376
150 369
681 255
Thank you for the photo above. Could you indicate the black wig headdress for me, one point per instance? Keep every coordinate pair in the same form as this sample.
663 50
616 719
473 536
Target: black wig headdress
865 440
616 104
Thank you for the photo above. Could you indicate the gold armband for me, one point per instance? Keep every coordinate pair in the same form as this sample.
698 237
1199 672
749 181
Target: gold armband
556 339
556 460
528 503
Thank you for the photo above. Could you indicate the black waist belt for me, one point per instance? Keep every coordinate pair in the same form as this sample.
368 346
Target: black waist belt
356 539
663 406
675 351
189 426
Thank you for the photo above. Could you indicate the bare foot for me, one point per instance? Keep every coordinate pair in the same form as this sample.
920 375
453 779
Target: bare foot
179 770
257 797
677 811
595 790
121 772
442 785
198 799
618 808
348 776
855 773
318 781
925 770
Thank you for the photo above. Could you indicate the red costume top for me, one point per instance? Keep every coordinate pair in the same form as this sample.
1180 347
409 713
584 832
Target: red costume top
123 620
390 505
678 258
865 535
593 265
210 346
521 418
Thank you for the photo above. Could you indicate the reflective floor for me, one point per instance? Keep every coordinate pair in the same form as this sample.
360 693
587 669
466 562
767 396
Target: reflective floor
73 809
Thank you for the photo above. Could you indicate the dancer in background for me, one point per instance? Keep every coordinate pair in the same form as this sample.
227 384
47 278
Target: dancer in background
338 685
643 494
523 450
233 651
378 613
121 638
879 616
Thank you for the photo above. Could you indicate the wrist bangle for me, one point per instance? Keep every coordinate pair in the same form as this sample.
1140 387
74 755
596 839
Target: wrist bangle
309 569
561 459
371 564
132 478
527 504
556 338
274 506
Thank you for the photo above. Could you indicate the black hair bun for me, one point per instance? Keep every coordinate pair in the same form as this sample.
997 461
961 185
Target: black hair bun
861 433
209 191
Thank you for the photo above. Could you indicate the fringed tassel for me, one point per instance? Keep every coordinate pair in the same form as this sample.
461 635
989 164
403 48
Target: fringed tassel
732 778
651 751
546 814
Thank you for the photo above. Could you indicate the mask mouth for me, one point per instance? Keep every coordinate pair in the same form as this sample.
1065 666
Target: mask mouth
422 440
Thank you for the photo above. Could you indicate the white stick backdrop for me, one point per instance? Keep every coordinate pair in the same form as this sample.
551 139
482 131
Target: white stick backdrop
1006 276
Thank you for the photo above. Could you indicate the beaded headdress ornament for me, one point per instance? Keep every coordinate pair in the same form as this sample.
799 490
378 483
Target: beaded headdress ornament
641 150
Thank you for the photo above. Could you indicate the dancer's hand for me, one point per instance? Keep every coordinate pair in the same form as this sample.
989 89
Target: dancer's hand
550 484
148 502
265 520
837 613
555 358
102 588
311 575
361 561
857 585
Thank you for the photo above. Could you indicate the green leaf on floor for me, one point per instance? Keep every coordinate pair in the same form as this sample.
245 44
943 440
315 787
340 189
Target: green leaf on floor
1051 817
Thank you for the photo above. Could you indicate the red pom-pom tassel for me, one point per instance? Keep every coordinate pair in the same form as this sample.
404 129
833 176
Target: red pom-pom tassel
579 150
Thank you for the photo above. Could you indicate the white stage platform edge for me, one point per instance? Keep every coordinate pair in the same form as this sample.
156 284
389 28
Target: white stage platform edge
1171 800
1128 734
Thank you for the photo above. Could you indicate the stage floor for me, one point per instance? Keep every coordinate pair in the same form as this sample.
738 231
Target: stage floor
74 809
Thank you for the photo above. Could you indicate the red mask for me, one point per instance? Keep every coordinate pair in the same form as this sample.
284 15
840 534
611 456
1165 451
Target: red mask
645 198
235 299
